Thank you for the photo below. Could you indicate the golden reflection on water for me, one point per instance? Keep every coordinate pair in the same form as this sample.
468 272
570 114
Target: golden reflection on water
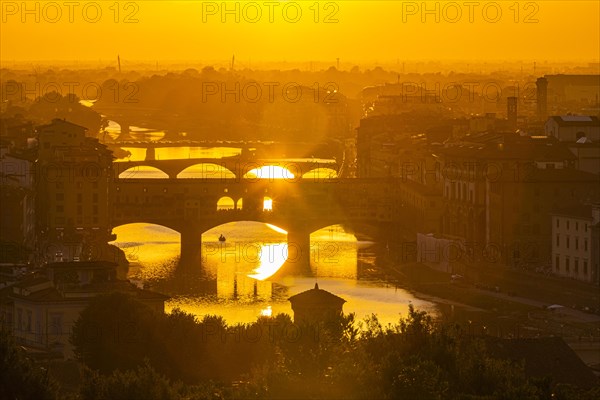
236 280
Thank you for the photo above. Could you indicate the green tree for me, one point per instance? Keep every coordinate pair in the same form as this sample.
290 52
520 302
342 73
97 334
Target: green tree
115 332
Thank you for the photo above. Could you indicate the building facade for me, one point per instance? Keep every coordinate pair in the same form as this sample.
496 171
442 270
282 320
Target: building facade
575 243
74 174
44 309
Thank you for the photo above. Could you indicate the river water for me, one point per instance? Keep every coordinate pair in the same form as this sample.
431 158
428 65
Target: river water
245 277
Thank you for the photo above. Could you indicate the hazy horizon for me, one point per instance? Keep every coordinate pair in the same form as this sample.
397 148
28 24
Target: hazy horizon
377 32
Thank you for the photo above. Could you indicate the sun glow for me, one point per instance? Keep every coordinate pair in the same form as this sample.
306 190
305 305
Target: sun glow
272 257
277 229
268 204
269 172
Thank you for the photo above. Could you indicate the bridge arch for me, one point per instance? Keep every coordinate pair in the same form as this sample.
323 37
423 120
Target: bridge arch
143 172
270 171
206 171
135 239
225 203
320 173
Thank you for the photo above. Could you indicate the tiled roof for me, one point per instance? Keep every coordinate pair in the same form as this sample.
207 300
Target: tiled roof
61 121
576 120
316 296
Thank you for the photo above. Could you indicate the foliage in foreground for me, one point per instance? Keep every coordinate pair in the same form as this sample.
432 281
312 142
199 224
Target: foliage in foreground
135 353
20 377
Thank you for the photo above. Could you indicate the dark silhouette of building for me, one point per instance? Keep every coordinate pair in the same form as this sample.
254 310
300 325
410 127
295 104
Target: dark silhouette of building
316 305
73 178
542 98
511 112
44 309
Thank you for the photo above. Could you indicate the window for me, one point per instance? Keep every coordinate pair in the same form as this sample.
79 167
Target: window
95 209
55 324
557 264
60 208
585 269
60 185
567 266
585 246
558 222
576 225
557 240
60 196
576 243
568 240
29 317
19 319
576 266
79 209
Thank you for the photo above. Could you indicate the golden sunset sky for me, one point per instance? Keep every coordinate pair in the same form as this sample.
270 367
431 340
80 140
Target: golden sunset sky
362 31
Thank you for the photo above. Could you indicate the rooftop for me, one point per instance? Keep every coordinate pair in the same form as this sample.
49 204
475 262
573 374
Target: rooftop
583 212
316 296
576 120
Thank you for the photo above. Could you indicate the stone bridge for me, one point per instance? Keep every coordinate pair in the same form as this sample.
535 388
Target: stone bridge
190 206
238 166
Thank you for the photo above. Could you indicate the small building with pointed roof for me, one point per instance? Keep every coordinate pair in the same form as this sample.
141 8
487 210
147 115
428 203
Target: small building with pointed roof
316 305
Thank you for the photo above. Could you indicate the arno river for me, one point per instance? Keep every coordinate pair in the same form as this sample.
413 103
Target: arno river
245 276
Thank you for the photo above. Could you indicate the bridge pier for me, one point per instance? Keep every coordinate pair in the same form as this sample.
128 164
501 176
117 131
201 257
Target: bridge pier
125 133
150 153
191 247
299 252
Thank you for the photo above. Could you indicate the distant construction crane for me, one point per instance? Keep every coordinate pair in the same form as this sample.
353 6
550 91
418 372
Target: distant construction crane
119 62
